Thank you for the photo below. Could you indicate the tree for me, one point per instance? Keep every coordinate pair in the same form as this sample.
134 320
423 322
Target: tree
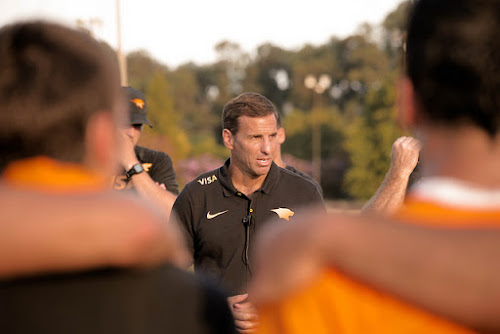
357 113
167 134
369 138
141 68
394 27
270 74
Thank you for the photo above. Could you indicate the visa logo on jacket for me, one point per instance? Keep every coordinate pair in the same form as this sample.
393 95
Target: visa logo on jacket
207 180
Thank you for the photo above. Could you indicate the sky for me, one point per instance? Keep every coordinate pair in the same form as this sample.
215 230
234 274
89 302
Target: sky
176 32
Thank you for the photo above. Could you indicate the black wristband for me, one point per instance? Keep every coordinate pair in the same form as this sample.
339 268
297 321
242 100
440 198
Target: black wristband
136 169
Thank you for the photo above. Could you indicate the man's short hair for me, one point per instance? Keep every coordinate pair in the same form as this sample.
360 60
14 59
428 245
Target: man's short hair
247 104
453 61
52 79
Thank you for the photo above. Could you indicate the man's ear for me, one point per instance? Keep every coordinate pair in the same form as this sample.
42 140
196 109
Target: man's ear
406 103
281 136
228 139
101 143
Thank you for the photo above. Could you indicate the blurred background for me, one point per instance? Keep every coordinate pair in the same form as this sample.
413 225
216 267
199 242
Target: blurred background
330 68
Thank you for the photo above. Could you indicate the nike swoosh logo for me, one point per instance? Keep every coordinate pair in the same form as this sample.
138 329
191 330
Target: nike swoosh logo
210 216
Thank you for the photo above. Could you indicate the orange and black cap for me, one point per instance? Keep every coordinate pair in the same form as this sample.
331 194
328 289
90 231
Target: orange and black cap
138 107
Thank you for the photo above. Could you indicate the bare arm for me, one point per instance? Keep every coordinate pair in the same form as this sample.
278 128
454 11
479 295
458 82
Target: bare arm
143 183
391 194
154 192
46 233
453 273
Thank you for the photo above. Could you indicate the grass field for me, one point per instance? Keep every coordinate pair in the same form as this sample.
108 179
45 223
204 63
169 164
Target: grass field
334 206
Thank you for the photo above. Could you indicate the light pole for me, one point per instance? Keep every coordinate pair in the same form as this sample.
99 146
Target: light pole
318 86
122 60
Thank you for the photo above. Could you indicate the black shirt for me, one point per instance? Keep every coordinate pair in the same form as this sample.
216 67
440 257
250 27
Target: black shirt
114 301
305 176
157 164
220 222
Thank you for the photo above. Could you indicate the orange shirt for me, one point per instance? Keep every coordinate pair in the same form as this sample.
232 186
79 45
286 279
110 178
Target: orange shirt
337 304
51 176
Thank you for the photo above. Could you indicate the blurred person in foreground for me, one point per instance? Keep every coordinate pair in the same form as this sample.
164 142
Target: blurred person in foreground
450 95
149 172
220 211
68 265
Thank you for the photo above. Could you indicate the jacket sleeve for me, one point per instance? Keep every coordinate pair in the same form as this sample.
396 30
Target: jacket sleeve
163 172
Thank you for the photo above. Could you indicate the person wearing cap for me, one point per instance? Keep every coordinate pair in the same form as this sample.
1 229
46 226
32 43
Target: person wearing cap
149 172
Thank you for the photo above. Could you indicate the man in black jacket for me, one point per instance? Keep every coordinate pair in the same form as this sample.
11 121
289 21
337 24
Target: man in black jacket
220 211
149 172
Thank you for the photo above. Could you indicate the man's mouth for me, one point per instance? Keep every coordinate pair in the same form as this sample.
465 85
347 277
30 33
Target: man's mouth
264 162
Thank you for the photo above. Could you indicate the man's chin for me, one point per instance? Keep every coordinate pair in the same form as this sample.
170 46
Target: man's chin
261 171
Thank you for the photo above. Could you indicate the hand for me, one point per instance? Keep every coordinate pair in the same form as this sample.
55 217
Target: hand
404 155
126 151
244 313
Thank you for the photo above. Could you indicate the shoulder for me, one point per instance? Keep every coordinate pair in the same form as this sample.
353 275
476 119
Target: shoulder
295 178
195 192
205 179
297 189
305 176
298 172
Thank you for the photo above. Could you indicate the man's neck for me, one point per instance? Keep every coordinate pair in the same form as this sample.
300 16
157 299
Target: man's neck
465 153
277 159
244 183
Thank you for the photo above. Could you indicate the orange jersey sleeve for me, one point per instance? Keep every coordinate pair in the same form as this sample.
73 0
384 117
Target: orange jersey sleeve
337 304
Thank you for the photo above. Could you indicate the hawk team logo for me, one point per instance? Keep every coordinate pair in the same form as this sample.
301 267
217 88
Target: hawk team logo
284 213
138 102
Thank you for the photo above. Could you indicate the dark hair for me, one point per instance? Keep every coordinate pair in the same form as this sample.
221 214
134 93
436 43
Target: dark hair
247 104
453 61
52 79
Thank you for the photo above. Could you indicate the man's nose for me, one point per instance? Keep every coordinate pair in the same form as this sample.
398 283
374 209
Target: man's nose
266 146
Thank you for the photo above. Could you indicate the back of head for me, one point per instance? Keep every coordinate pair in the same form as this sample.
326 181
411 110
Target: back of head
453 61
250 105
52 79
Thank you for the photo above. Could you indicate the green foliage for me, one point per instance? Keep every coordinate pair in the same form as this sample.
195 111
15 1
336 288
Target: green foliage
396 20
203 144
369 139
141 68
165 119
357 112
394 26
270 74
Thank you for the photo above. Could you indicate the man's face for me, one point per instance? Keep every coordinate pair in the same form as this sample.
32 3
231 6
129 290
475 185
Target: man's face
253 146
133 131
